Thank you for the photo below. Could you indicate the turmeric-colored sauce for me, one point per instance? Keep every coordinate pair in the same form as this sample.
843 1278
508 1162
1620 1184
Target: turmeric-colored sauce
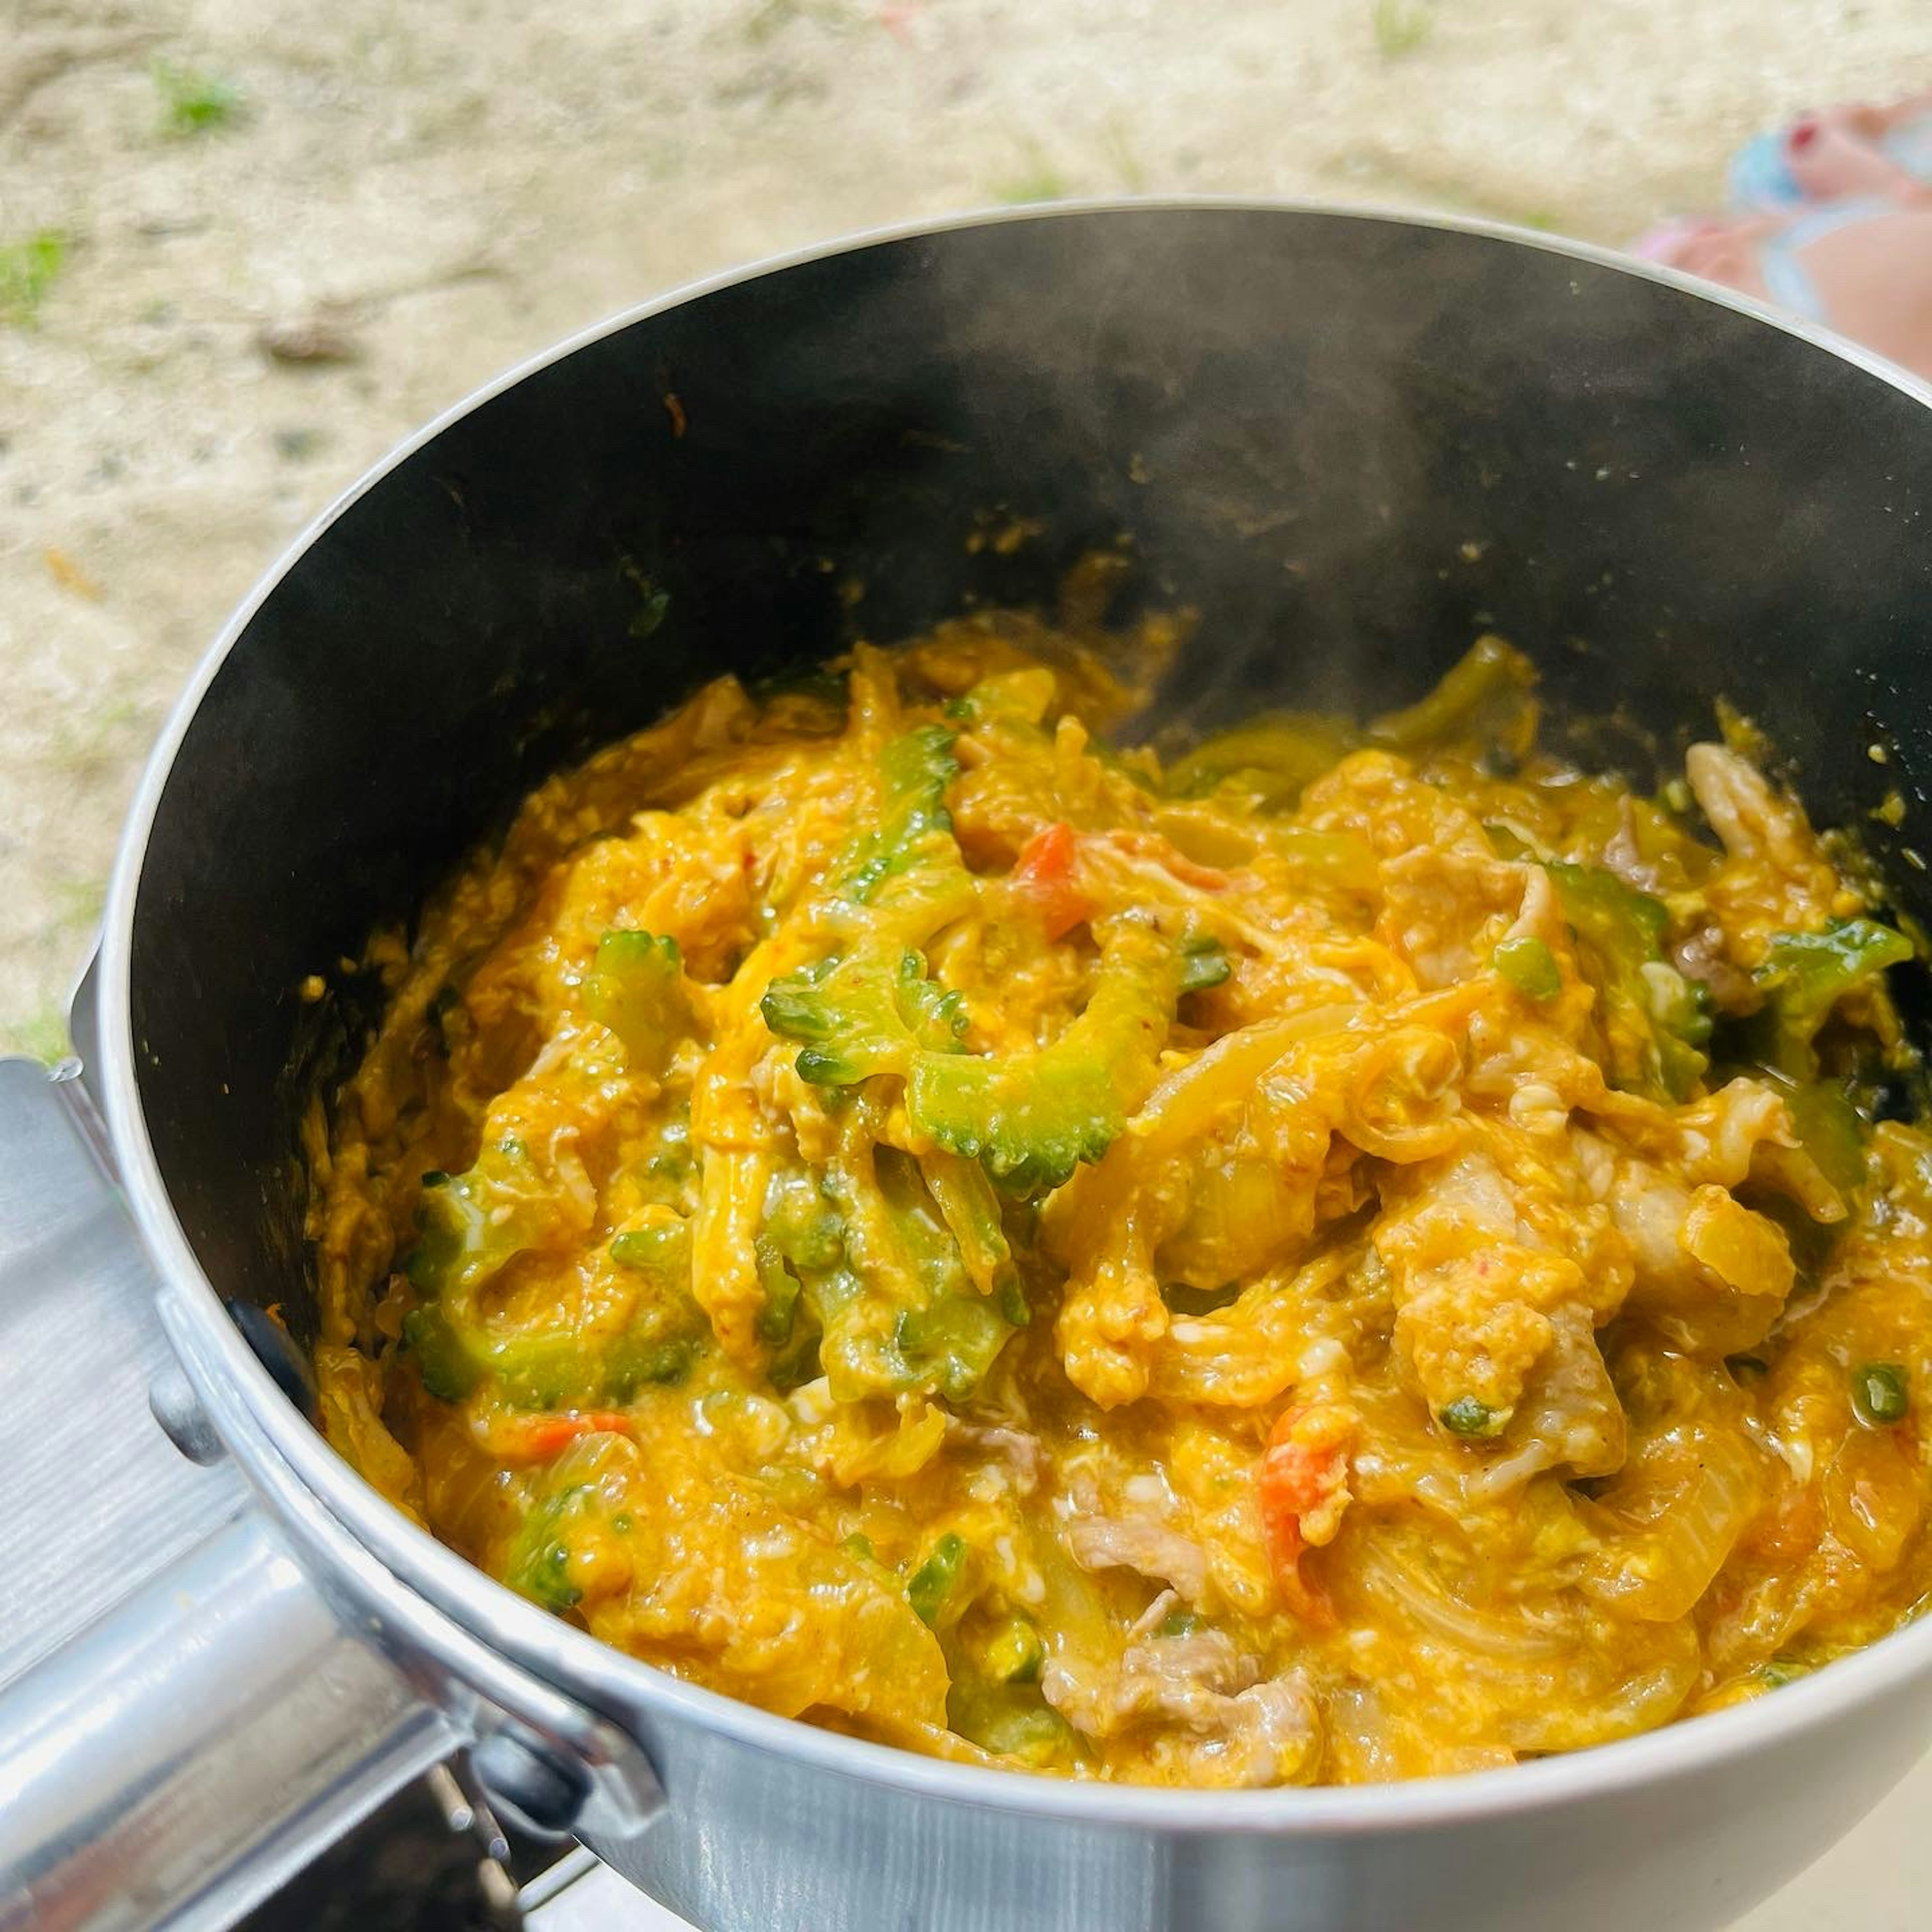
1361 1252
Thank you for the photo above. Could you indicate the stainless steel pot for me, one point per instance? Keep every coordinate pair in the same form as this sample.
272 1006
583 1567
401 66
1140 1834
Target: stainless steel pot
1350 440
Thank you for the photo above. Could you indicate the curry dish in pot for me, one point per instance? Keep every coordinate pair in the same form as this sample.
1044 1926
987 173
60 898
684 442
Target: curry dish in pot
1358 1252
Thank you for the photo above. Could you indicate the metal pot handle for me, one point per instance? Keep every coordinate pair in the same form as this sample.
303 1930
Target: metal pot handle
197 1695
184 1720
197 1746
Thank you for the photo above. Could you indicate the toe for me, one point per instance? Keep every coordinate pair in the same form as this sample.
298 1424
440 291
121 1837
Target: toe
1837 153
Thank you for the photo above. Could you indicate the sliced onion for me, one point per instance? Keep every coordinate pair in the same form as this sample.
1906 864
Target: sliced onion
1391 1580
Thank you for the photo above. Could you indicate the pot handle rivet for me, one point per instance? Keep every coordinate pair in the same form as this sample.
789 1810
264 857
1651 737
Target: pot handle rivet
532 1784
172 1403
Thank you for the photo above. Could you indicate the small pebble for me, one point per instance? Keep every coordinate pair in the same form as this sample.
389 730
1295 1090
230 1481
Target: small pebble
306 339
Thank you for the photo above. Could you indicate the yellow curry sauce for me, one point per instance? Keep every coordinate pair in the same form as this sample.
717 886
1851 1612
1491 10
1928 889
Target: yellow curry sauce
1364 1252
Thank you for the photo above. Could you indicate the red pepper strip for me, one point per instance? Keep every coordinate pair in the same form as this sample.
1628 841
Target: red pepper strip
1304 1466
1044 872
536 1439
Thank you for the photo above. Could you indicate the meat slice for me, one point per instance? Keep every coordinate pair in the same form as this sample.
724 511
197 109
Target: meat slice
1140 1544
1019 1449
1775 876
1215 1720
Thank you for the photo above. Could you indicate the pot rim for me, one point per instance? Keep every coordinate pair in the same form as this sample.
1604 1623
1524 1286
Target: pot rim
616 1683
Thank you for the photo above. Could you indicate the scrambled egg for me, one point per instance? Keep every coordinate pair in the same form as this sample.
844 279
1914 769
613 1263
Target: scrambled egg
1361 1252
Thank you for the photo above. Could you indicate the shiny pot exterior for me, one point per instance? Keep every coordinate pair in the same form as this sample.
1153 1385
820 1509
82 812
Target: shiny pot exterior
750 1842
1350 442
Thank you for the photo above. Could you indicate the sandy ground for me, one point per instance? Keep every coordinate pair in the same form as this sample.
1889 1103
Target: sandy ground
411 197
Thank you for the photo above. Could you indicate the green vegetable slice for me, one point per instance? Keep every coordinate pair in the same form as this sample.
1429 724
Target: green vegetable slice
1031 1118
1013 1720
1204 963
1028 1118
457 1347
1014 1652
782 1290
864 1013
949 1346
552 1369
1274 758
1483 704
970 1210
915 770
1018 699
934 1585
539 1563
1805 974
471 1224
901 1313
1530 967
636 989
801 1239
1829 1126
905 871
1654 1021
802 1224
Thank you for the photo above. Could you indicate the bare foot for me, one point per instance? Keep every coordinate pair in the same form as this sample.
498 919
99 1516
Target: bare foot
1860 149
1846 238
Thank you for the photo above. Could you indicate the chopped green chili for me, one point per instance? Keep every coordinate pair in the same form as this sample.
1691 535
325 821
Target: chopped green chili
1466 1416
1530 967
1881 1393
935 1579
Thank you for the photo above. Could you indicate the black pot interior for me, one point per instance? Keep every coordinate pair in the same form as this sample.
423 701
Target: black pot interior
1351 443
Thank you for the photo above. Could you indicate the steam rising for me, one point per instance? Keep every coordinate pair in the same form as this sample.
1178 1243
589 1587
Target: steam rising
1353 444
